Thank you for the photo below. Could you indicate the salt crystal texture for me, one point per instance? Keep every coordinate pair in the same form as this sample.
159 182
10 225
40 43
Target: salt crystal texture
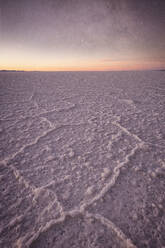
82 159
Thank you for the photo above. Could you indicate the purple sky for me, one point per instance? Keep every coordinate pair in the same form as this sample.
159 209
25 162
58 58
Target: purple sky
82 34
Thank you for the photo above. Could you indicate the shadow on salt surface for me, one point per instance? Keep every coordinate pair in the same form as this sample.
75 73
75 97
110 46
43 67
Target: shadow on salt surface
76 232
136 202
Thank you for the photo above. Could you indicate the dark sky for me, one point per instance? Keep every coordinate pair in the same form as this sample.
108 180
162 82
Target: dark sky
82 34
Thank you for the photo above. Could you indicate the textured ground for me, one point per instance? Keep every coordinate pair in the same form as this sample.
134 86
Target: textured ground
82 159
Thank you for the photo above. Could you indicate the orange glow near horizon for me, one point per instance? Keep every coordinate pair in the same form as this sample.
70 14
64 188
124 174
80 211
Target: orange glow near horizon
31 60
110 66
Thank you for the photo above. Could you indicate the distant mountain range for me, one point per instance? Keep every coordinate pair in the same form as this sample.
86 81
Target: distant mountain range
10 71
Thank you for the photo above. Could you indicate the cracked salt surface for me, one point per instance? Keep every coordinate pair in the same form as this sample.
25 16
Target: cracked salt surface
82 159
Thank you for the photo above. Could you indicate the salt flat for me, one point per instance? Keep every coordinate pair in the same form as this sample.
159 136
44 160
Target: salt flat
82 159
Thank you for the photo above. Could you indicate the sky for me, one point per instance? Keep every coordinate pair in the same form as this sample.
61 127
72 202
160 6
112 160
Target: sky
55 35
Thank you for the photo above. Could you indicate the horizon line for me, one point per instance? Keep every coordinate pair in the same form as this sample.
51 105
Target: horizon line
26 70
